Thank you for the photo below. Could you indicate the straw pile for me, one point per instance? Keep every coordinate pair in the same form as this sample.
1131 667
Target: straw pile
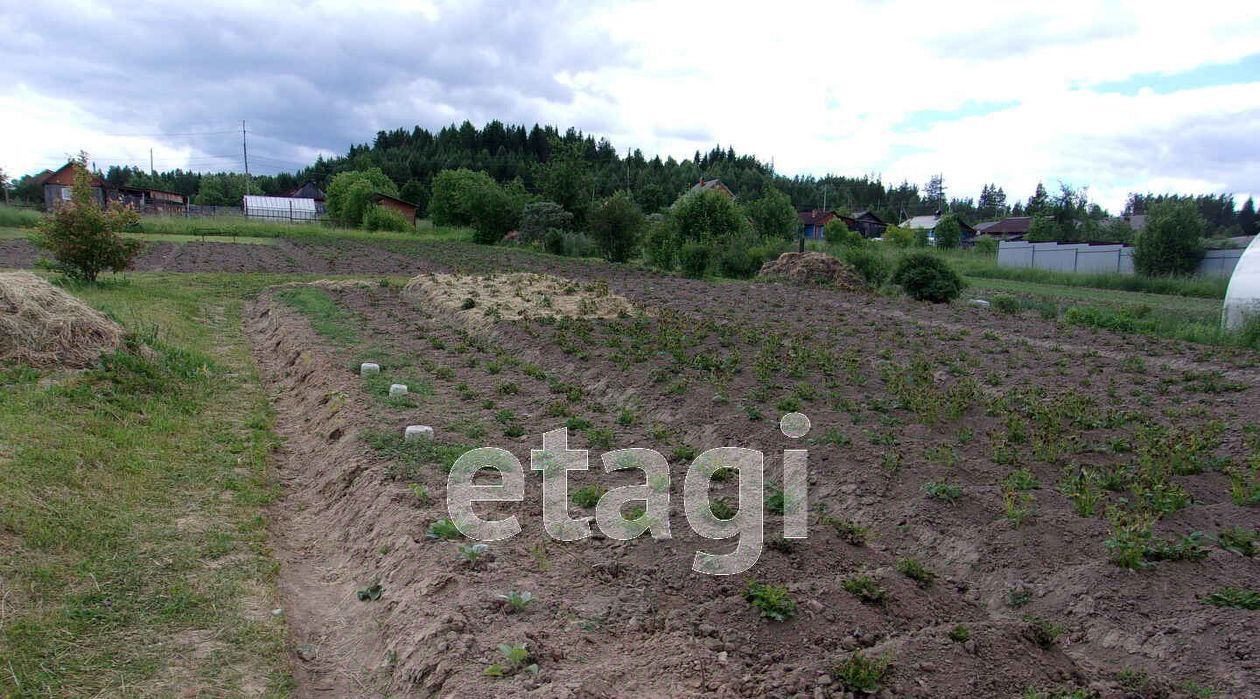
42 325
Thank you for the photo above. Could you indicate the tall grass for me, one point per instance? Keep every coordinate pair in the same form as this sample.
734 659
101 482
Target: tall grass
13 217
971 263
237 226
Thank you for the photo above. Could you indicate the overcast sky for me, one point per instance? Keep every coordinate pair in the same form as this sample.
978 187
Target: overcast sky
1116 96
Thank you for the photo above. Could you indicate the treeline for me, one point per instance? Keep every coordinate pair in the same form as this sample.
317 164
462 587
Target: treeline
575 169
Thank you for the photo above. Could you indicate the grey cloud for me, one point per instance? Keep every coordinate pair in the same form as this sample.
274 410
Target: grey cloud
303 79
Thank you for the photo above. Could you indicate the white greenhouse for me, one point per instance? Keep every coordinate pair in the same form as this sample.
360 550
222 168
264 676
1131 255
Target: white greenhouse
281 209
1242 299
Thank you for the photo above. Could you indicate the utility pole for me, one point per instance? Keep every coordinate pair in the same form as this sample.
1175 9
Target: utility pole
151 170
245 152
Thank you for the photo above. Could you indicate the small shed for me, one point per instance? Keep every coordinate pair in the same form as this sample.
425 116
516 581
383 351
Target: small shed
866 223
1009 228
406 208
149 201
280 209
57 187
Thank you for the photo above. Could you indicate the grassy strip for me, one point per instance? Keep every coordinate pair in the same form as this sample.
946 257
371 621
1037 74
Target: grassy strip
229 226
327 318
133 555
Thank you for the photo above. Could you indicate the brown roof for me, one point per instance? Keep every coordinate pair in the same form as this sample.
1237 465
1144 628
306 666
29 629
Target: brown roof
1013 225
378 196
816 217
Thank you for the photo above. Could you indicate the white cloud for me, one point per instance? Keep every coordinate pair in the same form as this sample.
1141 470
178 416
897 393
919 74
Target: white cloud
818 86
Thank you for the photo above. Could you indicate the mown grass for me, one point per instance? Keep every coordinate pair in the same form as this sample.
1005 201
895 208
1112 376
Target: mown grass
326 317
133 557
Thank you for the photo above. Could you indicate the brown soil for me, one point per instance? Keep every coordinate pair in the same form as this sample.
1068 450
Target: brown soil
632 619
812 268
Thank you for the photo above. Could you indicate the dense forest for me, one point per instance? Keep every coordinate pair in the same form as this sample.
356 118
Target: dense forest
575 169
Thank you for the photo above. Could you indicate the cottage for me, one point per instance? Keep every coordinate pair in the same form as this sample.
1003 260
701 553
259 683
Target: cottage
928 223
814 221
406 208
309 190
714 185
57 186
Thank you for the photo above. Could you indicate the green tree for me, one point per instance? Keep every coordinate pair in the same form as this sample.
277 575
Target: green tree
948 232
616 224
224 189
566 179
837 233
1247 219
899 237
541 216
494 210
417 193
450 202
349 194
707 216
85 239
1043 229
773 215
1172 241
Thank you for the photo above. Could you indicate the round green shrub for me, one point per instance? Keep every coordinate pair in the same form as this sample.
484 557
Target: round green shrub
871 265
379 218
987 245
694 259
926 277
737 262
553 242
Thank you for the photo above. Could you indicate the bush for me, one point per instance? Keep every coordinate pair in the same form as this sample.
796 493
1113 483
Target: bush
616 224
451 201
707 216
493 210
379 218
837 233
1043 229
987 245
84 239
926 277
1172 241
899 237
773 215
694 259
541 216
553 242
569 244
871 265
736 260
948 232
660 246
350 194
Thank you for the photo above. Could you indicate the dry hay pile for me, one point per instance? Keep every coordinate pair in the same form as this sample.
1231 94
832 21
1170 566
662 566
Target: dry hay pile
517 295
812 268
42 325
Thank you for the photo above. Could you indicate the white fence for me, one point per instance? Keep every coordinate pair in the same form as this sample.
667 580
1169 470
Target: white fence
1084 258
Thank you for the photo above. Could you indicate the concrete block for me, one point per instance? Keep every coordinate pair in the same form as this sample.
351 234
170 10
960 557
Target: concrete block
397 389
368 368
418 432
